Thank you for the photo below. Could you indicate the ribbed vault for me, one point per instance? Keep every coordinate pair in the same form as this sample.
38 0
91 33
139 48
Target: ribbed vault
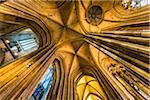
111 52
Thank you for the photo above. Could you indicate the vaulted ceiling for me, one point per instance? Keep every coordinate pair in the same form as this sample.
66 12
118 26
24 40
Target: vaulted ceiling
88 36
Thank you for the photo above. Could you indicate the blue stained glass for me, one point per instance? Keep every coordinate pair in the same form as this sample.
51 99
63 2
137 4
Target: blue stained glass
44 85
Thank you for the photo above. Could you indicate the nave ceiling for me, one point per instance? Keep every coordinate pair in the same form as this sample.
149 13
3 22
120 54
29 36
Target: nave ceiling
96 38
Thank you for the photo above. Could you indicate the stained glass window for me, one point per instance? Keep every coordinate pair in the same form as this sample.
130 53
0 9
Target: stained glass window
17 44
43 87
94 14
133 4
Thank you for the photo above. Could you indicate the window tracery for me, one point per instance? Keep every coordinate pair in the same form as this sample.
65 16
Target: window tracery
43 87
94 14
17 44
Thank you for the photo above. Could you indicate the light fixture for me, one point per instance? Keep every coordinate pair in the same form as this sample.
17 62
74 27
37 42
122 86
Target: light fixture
28 65
7 41
16 54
